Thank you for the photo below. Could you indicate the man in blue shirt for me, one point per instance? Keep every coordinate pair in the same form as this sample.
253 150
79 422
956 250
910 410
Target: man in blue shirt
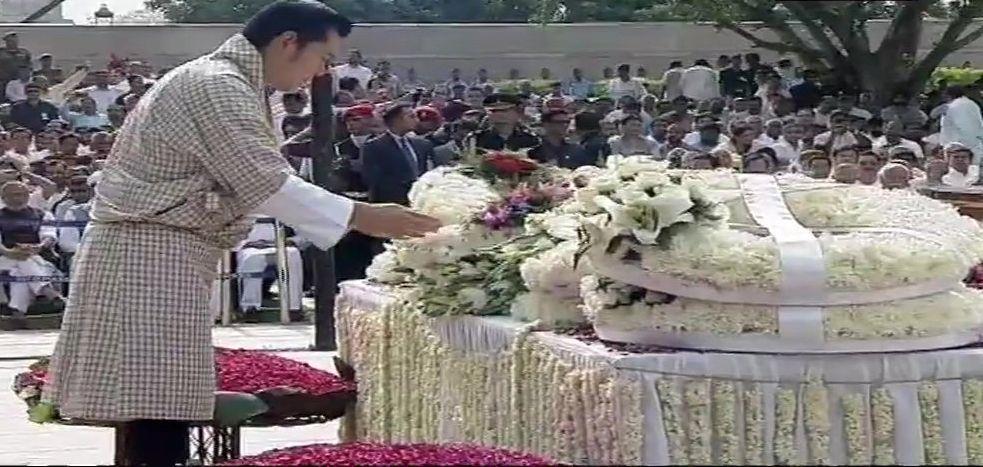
578 86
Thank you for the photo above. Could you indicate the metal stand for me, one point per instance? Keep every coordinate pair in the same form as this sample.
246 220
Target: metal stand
323 157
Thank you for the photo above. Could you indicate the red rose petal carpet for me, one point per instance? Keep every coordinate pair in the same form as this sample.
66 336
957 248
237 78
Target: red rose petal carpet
251 371
396 454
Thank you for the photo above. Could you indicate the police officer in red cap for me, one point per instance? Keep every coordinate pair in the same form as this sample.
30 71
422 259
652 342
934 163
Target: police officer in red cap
430 125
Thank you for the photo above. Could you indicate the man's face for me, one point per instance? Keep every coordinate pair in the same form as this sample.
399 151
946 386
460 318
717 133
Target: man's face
960 160
424 127
45 62
624 73
895 178
455 74
354 58
935 170
774 129
709 135
632 128
15 196
45 140
69 146
839 124
474 97
759 165
659 128
557 127
358 126
868 165
79 190
820 168
21 141
793 133
101 143
675 133
846 156
406 122
503 116
754 107
846 173
33 95
289 64
293 104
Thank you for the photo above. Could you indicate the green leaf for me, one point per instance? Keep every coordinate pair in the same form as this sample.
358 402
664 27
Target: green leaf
234 408
43 412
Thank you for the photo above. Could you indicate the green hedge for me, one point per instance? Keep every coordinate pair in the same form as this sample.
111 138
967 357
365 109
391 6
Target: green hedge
542 86
961 76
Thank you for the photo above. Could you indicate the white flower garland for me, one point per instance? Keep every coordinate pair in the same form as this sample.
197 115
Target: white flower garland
724 427
617 305
754 419
784 440
817 422
882 417
928 402
973 409
696 393
671 402
854 420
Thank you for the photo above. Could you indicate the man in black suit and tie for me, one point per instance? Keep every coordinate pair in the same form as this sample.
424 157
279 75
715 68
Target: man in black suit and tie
392 161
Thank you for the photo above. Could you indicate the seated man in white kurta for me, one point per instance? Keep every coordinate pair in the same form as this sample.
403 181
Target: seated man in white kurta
22 237
255 255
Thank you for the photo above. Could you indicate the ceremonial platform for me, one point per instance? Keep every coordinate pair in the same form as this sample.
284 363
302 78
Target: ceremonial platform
491 380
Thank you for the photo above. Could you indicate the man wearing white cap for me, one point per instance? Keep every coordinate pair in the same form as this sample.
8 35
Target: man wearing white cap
962 123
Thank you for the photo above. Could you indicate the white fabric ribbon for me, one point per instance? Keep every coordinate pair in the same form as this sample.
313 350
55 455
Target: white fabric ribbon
800 255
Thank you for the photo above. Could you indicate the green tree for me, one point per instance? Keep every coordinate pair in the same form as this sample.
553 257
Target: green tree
833 35
420 11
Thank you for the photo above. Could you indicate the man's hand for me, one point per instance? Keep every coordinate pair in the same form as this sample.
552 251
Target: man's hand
391 221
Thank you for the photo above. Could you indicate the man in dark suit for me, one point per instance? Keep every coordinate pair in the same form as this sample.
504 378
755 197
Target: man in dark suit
392 161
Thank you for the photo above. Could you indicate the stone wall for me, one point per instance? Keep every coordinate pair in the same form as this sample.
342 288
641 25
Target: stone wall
434 49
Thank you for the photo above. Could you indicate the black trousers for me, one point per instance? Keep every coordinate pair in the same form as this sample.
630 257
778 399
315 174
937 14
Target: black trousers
154 443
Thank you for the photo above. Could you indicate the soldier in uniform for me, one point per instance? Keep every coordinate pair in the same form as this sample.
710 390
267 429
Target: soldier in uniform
504 131
12 58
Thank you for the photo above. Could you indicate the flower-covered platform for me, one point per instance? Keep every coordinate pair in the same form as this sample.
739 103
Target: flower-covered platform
494 381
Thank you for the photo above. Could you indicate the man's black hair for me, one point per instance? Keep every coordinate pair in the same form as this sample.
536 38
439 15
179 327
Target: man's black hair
309 19
348 83
394 112
676 64
955 91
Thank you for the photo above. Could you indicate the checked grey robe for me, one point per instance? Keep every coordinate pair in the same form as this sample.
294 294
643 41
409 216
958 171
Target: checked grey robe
193 164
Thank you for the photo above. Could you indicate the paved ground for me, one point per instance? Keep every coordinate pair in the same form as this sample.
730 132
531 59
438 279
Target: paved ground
26 443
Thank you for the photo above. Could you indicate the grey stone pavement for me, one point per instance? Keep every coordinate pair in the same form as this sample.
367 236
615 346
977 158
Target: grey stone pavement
26 443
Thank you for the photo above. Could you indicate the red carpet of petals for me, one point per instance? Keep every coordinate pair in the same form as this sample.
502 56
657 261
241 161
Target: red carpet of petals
251 372
382 454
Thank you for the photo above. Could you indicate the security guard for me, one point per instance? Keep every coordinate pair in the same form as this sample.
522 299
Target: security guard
504 131
12 58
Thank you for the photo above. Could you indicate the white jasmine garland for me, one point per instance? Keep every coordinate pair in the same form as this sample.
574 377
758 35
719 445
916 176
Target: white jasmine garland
698 432
753 425
724 427
854 418
928 402
784 440
882 417
672 412
817 422
973 410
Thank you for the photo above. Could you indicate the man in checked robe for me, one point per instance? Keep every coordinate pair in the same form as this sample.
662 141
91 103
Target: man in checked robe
193 163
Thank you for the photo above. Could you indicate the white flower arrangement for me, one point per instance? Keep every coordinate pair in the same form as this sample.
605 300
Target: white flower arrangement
724 426
817 422
696 394
452 197
622 306
754 437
